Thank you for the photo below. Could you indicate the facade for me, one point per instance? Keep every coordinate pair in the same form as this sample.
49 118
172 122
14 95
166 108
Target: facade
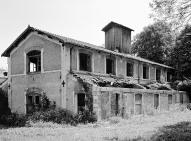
76 75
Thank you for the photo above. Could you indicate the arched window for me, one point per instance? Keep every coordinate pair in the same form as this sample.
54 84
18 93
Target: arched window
34 61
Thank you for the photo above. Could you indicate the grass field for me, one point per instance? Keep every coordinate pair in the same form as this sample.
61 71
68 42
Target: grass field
140 127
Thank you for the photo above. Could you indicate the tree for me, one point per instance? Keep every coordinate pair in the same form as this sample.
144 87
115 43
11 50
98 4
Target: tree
175 12
154 42
181 53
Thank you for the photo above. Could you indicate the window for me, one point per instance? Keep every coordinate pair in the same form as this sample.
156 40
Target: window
129 69
34 61
81 102
85 62
169 99
110 66
169 76
158 73
156 101
145 72
138 103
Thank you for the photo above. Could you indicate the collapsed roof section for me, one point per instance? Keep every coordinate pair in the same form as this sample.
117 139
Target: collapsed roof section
103 81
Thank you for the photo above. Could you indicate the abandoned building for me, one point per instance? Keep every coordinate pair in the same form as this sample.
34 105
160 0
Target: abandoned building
78 75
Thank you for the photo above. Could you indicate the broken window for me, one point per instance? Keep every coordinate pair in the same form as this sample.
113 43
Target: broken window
145 72
138 103
81 102
85 62
156 101
34 61
169 76
158 73
129 69
110 66
33 102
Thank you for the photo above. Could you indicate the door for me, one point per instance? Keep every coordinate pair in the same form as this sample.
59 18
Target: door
138 104
156 101
33 103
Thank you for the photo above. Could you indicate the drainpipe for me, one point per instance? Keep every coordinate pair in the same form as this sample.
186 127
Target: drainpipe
71 59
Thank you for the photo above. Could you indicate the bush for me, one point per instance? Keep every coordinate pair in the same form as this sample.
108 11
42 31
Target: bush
86 117
63 116
58 115
13 120
4 109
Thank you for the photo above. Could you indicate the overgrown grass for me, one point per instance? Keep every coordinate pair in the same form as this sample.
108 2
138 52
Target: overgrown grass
141 127
178 132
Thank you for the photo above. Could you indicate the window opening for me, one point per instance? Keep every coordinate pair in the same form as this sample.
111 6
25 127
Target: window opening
34 61
85 62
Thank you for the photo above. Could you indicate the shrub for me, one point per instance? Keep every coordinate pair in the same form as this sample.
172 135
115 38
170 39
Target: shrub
4 109
63 116
13 119
57 115
86 117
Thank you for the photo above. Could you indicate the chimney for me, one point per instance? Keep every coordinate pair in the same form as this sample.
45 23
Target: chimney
117 37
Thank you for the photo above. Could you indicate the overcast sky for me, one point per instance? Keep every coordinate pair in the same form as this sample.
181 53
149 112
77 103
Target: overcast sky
78 19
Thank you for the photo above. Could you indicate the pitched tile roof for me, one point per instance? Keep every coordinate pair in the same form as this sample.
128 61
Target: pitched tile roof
66 40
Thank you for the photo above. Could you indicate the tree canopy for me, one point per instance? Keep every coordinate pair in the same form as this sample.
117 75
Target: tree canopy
175 12
154 42
181 53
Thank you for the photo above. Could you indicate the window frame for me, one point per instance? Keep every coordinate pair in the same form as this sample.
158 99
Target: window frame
168 76
156 74
147 68
113 59
37 56
131 67
89 54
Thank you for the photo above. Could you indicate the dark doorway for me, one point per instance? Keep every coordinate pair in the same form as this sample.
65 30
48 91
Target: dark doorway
156 101
81 102
33 103
116 104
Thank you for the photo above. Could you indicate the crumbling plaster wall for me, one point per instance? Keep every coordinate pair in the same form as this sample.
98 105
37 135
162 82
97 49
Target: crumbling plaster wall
103 101
49 83
51 54
48 79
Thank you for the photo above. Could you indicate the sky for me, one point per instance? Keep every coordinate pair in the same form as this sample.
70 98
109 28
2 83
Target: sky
78 19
